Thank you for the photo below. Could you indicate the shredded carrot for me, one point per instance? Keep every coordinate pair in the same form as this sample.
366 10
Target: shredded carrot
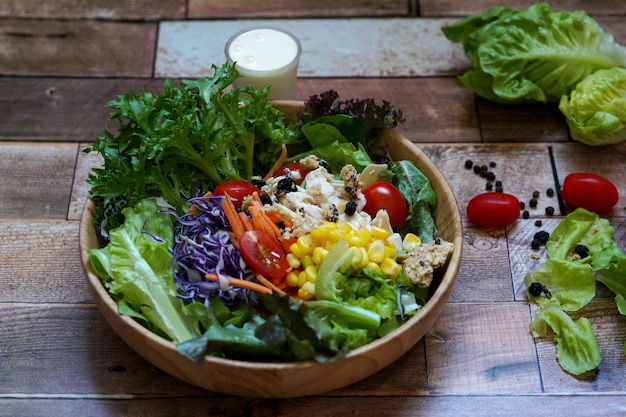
257 220
253 286
276 218
233 218
268 221
279 163
193 208
256 196
245 220
269 284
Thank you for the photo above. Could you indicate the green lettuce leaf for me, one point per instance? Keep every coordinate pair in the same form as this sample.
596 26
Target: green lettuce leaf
571 285
577 348
595 110
532 55
138 272
579 227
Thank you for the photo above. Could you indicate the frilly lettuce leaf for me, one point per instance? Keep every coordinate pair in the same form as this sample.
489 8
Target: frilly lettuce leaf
595 110
532 55
577 348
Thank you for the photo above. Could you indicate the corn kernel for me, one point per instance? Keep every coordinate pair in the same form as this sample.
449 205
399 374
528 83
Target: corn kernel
292 279
306 261
374 266
376 251
301 279
293 261
295 249
410 242
305 244
379 233
390 267
365 236
344 225
310 274
336 235
307 292
390 251
354 239
319 254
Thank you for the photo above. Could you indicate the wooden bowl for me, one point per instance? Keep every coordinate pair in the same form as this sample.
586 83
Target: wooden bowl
293 379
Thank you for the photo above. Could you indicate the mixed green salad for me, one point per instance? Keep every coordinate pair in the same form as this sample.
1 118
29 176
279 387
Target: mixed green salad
233 232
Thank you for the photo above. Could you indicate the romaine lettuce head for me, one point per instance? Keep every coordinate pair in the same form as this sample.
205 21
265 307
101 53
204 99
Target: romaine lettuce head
596 109
532 55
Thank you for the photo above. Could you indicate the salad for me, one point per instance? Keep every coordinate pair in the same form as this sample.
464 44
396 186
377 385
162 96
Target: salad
233 232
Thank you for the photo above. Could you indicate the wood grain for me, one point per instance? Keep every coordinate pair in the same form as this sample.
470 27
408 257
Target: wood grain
76 48
97 9
40 264
36 179
455 8
199 9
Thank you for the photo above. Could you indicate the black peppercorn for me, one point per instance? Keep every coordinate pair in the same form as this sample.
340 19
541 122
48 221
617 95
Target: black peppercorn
525 214
535 289
542 236
549 210
538 223
491 176
532 202
350 208
550 192
489 186
469 164
522 205
582 251
535 194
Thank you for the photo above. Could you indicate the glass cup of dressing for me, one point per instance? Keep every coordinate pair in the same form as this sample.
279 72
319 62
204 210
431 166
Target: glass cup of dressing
266 56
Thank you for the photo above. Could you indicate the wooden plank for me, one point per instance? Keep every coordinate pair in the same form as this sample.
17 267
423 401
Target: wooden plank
61 109
455 8
98 9
80 190
77 48
203 9
36 179
72 350
482 349
40 263
521 123
430 406
367 49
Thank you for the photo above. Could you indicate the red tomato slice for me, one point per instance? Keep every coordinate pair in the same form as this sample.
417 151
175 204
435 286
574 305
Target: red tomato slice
493 209
264 254
297 170
589 191
384 195
236 189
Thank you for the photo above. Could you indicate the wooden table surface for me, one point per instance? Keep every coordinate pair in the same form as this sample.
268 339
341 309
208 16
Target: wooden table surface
62 60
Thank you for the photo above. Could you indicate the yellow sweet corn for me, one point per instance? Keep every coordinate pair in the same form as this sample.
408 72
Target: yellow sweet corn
370 249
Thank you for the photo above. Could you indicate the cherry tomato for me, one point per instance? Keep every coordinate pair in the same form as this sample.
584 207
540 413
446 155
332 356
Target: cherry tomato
589 191
264 254
493 209
298 171
383 195
236 189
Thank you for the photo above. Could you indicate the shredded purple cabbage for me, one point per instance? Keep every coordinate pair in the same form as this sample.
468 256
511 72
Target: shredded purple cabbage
202 245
